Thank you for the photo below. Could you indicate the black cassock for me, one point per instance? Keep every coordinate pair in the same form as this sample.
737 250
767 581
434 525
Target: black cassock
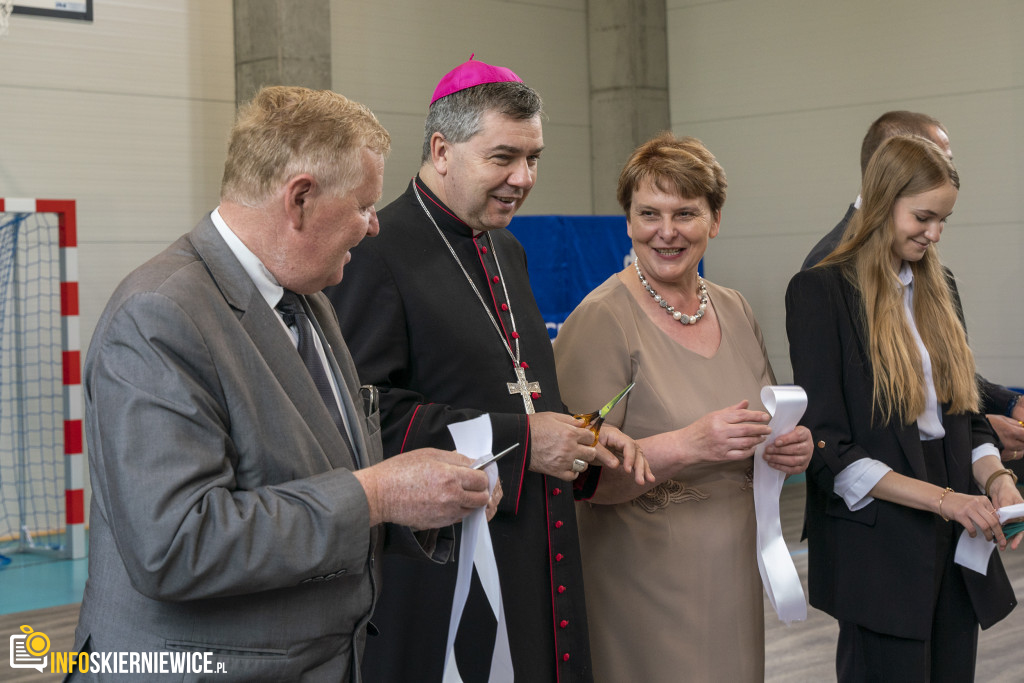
417 331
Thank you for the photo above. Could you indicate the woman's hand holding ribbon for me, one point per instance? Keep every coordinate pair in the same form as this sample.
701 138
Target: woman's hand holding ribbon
791 453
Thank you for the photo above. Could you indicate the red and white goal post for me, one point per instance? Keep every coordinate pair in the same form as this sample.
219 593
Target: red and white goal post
42 502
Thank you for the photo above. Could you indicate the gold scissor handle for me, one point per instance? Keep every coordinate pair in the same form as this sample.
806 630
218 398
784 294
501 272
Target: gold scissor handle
593 422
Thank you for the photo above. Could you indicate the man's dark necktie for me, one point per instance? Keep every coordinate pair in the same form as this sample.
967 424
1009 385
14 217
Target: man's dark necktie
294 315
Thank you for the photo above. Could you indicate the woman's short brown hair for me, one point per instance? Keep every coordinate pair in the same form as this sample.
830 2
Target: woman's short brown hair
680 165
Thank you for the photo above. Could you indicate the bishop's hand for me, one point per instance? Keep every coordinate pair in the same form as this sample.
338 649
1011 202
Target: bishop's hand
561 446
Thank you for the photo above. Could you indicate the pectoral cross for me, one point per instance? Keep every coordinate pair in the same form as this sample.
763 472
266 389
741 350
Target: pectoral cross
525 389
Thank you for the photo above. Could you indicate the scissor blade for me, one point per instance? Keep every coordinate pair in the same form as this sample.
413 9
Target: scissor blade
612 403
484 463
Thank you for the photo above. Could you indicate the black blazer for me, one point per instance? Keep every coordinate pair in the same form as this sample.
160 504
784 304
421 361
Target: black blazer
872 567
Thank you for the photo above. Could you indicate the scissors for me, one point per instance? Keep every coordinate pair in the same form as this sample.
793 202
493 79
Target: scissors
492 458
594 420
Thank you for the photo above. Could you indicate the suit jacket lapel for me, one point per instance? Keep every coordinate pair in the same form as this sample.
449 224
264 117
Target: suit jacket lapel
908 435
845 223
265 330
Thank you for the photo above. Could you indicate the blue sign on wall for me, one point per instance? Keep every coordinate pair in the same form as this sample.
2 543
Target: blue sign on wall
568 256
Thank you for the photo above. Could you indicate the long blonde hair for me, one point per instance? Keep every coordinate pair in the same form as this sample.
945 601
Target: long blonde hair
905 166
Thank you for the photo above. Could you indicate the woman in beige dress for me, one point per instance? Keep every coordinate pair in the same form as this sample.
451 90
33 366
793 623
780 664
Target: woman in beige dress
670 568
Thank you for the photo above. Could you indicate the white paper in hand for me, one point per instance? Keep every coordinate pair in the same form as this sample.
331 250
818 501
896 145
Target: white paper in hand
473 439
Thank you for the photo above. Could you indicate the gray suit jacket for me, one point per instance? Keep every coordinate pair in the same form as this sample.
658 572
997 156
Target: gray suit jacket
225 517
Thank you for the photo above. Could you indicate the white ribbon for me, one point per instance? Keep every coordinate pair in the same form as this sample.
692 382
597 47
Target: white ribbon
786 404
973 553
473 439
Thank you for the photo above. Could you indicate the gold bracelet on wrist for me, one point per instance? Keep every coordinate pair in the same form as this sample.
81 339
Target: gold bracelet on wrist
944 492
992 478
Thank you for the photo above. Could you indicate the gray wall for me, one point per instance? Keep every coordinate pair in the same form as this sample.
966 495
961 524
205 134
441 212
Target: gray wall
391 55
128 115
782 93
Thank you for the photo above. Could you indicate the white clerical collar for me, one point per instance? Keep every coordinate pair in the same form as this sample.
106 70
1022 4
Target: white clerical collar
857 202
254 268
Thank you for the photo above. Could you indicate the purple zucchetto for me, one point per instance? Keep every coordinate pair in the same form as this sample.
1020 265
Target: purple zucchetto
472 73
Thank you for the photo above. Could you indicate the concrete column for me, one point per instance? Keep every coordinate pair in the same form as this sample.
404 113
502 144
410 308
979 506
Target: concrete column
281 42
628 46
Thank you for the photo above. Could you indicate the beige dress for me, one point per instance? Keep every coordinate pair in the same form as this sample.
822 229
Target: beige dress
672 586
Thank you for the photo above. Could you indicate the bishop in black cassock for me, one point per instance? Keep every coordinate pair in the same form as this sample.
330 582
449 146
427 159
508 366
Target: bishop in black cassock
418 331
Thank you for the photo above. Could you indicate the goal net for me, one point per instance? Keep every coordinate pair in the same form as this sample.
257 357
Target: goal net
41 467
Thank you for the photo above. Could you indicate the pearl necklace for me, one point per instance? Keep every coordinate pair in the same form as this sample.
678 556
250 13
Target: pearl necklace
702 290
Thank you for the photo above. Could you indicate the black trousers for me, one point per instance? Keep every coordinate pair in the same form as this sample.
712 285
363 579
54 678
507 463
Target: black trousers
949 654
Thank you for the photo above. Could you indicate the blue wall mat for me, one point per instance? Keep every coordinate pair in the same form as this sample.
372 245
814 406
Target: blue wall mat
568 256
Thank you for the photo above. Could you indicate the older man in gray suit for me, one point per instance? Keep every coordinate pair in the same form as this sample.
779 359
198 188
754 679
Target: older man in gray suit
238 505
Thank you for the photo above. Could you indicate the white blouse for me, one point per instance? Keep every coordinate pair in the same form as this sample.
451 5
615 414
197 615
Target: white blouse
858 478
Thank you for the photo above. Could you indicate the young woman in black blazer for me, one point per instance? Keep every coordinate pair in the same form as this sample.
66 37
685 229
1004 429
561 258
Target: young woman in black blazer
903 460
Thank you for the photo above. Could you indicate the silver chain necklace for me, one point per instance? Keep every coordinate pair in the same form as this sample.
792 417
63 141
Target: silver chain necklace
521 385
702 292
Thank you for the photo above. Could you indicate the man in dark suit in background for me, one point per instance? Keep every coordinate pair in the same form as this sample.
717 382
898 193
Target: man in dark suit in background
238 505
1002 406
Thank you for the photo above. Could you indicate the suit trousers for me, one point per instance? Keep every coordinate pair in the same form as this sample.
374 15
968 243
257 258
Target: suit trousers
949 655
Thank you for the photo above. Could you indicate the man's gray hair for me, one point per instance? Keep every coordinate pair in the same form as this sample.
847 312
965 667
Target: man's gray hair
458 116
